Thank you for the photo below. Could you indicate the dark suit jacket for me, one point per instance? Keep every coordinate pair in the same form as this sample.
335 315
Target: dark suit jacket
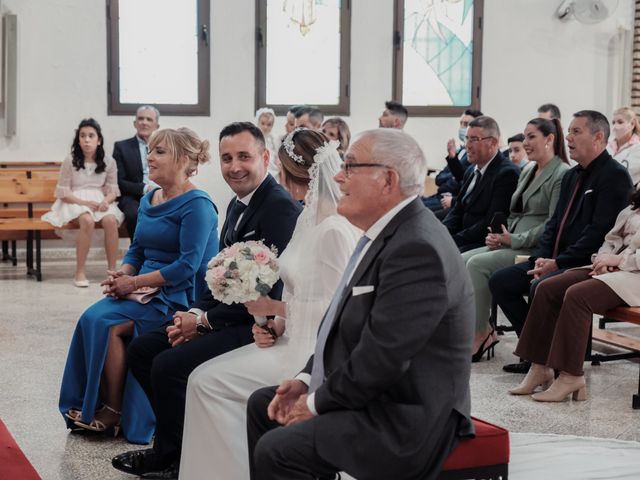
127 156
397 358
468 220
270 216
605 191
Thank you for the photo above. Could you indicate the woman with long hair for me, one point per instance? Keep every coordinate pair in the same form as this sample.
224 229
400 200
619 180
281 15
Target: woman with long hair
86 193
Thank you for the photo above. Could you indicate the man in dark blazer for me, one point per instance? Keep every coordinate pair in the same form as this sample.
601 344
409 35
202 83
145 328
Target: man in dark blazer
486 189
131 158
449 180
591 195
162 360
386 394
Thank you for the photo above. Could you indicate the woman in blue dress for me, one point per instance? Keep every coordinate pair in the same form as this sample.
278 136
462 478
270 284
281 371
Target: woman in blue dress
175 237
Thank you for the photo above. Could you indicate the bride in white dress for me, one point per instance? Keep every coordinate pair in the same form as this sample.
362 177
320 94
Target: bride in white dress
214 439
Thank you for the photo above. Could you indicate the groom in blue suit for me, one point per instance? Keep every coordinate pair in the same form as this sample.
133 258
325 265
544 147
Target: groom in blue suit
162 360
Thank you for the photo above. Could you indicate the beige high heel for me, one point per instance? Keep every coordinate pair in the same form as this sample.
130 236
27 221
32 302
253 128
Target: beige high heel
538 375
101 427
74 415
565 385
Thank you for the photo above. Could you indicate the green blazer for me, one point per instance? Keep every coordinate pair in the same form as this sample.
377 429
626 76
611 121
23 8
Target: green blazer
539 201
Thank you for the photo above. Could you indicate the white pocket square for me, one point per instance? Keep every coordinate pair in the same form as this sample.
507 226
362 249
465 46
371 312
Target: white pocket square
587 192
362 290
252 232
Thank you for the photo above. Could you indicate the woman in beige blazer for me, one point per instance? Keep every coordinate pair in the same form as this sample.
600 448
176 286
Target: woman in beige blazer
532 204
556 331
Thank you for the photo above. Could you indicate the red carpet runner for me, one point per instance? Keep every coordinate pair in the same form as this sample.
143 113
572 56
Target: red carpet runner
13 464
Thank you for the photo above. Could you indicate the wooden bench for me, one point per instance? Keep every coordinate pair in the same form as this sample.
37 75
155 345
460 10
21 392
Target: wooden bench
618 340
25 195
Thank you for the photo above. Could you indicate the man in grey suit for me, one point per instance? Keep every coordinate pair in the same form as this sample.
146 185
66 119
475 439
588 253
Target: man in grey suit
386 394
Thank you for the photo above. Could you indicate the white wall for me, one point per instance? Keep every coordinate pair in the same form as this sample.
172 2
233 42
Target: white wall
529 58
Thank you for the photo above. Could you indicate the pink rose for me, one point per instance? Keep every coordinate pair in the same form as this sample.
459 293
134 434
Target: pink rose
261 257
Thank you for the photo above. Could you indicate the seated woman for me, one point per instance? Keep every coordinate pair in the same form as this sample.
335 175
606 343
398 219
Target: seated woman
532 204
311 267
624 145
556 332
86 193
175 237
337 129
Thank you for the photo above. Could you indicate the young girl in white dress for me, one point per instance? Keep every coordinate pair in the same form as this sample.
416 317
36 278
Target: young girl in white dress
214 437
265 118
86 191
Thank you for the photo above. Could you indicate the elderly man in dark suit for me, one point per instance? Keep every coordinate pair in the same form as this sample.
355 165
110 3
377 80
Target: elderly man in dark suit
591 195
486 189
133 172
162 360
386 394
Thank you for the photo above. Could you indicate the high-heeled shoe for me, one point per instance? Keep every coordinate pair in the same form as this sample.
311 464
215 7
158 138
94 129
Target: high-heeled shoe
488 346
564 386
538 375
73 414
99 426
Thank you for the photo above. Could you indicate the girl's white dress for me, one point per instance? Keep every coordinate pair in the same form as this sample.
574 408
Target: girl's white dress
214 439
85 184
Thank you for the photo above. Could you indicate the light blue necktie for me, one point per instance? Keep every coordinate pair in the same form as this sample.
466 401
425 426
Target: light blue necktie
317 371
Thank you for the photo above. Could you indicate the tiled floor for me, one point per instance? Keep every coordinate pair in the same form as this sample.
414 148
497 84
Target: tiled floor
38 318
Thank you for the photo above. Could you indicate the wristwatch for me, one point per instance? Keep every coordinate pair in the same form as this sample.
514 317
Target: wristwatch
201 328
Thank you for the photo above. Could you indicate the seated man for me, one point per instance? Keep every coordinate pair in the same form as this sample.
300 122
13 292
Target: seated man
549 111
591 195
162 360
133 172
386 394
450 177
394 116
486 188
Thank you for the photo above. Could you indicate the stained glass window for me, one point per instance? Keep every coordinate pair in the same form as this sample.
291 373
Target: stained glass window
437 53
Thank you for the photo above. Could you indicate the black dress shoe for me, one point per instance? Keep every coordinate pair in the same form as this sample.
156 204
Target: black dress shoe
170 473
139 462
520 367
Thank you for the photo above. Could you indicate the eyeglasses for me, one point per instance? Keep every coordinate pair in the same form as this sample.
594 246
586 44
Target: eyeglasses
348 167
474 139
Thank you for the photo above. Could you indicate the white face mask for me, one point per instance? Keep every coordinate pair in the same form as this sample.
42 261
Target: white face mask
462 134
621 130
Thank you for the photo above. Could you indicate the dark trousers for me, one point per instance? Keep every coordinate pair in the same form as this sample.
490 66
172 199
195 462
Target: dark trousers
163 371
557 329
509 286
129 206
279 453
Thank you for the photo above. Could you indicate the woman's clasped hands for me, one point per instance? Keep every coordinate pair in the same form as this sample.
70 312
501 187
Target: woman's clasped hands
605 263
118 284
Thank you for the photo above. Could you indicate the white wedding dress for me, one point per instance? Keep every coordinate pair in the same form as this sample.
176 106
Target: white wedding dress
214 442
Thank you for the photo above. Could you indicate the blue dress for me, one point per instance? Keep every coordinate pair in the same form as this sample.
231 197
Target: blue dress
177 238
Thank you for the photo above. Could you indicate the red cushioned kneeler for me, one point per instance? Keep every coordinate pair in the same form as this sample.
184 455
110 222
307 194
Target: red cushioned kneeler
484 457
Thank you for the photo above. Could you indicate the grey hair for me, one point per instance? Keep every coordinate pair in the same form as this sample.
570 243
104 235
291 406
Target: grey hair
149 107
596 122
488 125
400 151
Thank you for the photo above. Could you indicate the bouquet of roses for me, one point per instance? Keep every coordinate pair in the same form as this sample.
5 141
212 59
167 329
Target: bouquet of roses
243 272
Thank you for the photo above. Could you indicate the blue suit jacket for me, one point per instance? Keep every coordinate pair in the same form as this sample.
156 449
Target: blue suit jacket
270 216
